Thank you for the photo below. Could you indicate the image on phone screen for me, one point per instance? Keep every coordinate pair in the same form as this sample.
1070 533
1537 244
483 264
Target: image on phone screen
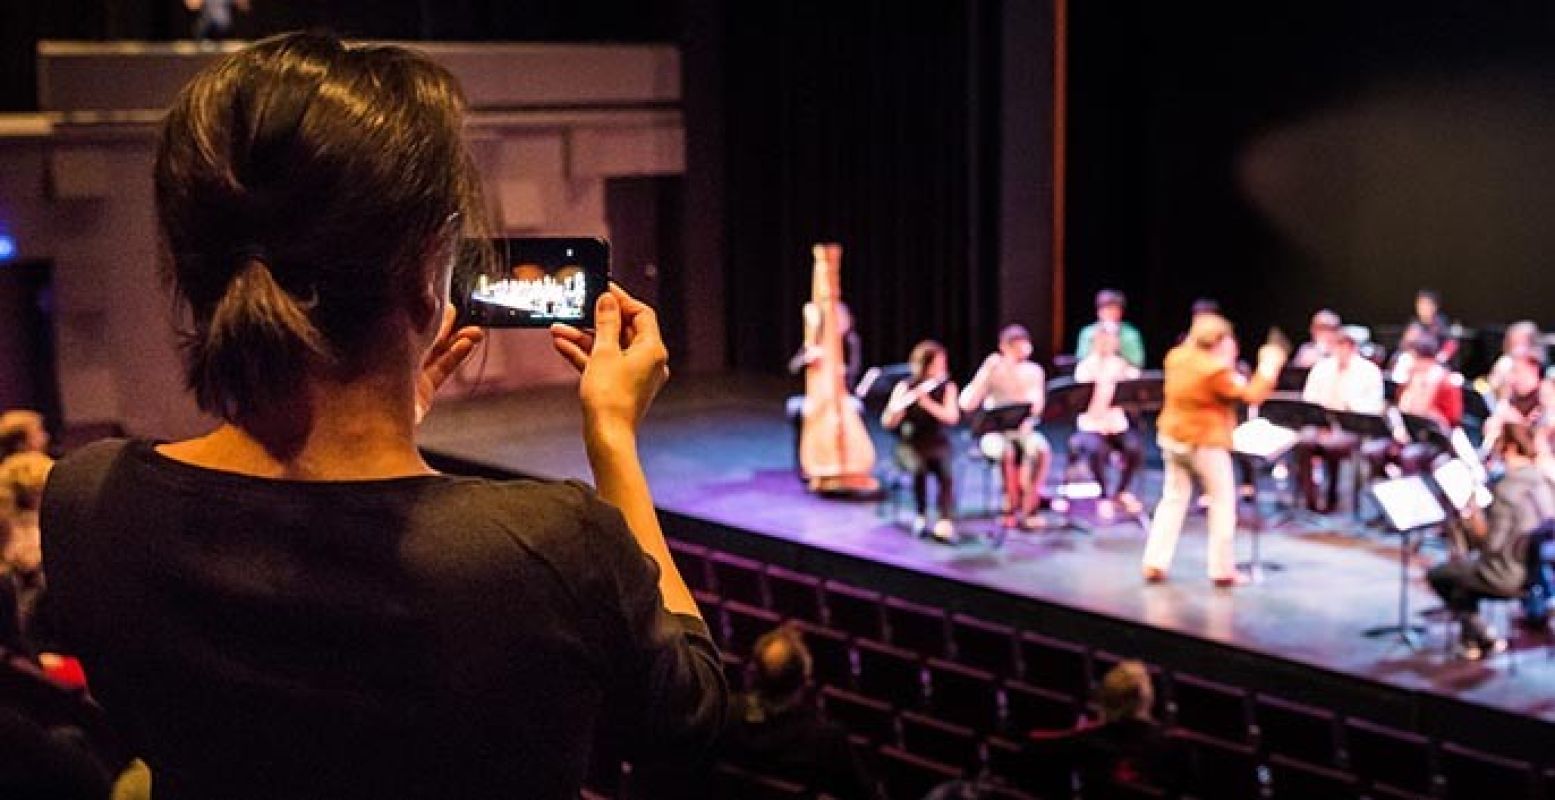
540 281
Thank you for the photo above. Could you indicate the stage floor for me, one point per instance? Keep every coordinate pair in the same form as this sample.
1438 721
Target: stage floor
719 449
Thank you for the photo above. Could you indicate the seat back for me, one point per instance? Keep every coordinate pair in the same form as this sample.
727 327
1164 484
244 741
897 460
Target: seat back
908 776
1056 665
983 645
794 596
1211 708
1389 759
1471 774
963 695
1290 779
854 610
919 628
733 783
736 578
1297 731
890 674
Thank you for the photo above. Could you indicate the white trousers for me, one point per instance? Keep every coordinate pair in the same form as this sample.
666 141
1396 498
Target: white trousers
1212 466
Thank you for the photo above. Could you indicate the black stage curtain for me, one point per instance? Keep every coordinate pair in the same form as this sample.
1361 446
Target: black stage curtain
1283 157
868 124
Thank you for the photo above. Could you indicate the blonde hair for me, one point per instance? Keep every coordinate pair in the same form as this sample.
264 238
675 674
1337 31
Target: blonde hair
15 426
22 478
1125 692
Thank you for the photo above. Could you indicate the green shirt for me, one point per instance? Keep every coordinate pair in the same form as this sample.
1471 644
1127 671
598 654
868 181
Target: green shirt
1130 344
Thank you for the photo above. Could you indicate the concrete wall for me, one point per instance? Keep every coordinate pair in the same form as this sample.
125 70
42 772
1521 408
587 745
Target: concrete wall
549 125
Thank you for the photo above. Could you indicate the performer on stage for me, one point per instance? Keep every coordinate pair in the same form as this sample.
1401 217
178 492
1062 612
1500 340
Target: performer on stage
919 410
1324 330
1342 381
1006 377
1527 399
1110 304
1103 428
1521 338
1203 390
1522 501
1429 390
1429 316
811 350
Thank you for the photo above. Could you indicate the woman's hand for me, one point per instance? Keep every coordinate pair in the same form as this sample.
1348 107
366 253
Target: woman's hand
449 351
623 363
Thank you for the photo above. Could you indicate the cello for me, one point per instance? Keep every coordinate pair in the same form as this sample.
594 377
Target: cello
835 450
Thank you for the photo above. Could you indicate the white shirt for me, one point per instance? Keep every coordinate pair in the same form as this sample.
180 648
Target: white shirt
1004 381
1357 387
1101 416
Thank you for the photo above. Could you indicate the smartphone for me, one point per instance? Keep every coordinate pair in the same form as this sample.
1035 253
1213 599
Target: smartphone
535 282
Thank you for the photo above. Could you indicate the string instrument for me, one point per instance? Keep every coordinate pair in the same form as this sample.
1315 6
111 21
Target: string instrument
835 450
910 397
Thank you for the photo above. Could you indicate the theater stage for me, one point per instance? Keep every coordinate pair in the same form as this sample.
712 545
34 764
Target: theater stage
718 452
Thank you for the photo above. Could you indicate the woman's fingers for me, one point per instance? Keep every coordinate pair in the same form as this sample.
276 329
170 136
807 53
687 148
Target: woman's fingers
450 353
572 344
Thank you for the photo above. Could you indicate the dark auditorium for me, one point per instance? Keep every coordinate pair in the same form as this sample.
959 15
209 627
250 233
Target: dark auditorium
714 400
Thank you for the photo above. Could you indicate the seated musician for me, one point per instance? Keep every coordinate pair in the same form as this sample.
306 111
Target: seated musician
810 350
1429 390
1429 316
1103 428
1492 565
920 409
1520 338
808 353
1340 381
1323 331
1526 396
1006 377
1110 304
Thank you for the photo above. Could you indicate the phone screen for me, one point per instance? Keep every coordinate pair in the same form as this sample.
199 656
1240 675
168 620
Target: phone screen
537 282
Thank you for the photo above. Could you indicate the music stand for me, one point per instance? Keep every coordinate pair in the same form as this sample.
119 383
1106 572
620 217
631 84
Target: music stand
1142 394
1066 399
1295 414
1365 426
1409 506
1065 394
1292 379
1426 431
1267 442
998 420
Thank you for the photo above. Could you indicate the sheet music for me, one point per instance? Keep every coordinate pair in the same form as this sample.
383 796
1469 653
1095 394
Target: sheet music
1464 450
1458 482
1408 503
1261 438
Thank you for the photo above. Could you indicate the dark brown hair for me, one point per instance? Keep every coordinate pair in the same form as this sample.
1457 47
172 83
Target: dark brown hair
1519 438
923 354
302 186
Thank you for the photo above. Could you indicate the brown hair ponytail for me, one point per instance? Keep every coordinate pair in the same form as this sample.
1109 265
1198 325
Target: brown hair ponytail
258 339
301 187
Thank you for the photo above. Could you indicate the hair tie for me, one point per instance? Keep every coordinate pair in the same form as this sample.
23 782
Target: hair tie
243 254
239 257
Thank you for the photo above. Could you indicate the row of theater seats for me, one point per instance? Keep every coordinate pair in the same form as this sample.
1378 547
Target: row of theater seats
935 696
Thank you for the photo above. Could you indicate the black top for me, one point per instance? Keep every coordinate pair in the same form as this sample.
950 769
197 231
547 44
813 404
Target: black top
1526 404
795 744
1128 751
430 636
921 429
